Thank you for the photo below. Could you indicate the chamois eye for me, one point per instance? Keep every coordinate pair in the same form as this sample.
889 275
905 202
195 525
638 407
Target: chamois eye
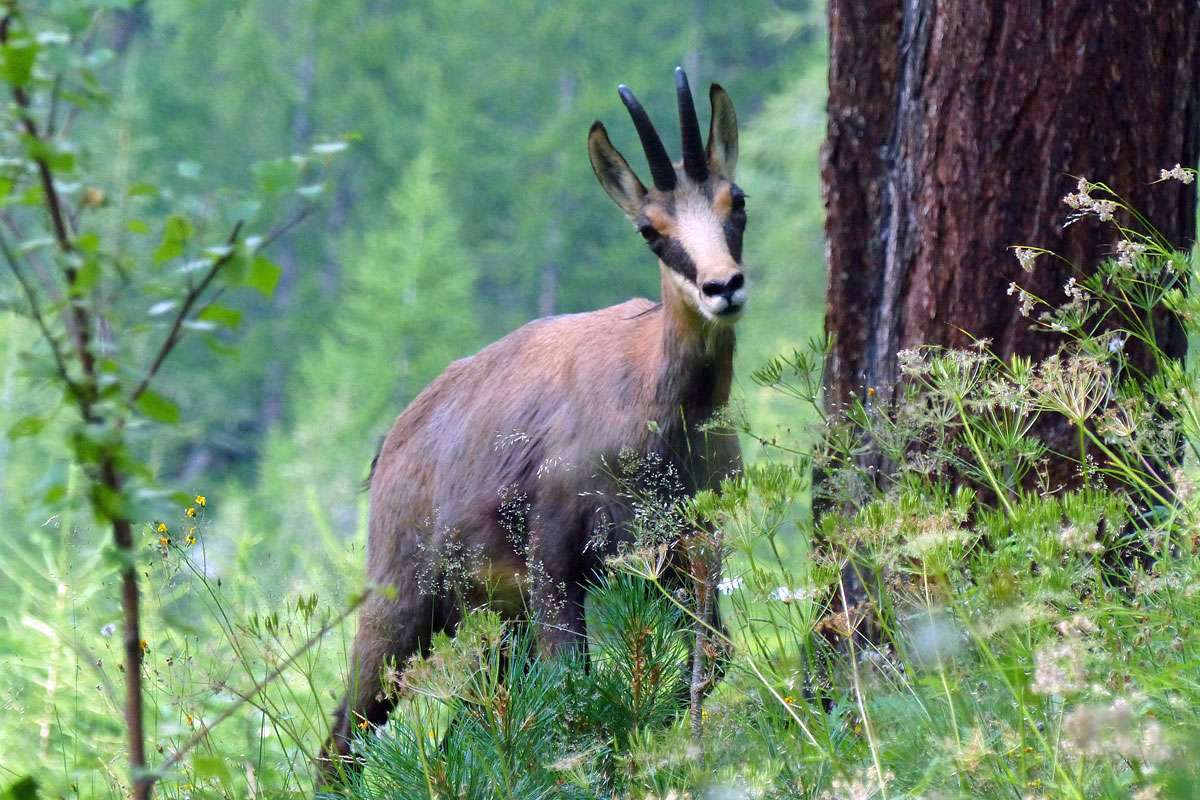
649 233
739 202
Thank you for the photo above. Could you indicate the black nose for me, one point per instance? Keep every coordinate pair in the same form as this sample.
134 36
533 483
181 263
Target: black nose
724 288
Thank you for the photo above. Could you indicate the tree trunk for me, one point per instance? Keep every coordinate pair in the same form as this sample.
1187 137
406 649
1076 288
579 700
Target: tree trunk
955 129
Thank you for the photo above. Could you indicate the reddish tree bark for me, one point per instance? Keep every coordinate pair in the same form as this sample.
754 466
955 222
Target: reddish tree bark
955 129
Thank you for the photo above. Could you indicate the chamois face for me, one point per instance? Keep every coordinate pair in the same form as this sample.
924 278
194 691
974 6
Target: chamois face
694 216
696 232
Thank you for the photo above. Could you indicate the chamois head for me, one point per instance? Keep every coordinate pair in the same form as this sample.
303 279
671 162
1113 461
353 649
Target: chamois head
694 216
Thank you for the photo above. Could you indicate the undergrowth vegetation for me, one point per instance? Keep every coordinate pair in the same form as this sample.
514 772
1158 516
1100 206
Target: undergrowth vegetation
953 624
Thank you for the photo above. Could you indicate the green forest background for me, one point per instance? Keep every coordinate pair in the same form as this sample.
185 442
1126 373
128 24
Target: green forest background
463 207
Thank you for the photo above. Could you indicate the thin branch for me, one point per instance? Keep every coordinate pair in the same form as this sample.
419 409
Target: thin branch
189 300
35 308
282 229
58 218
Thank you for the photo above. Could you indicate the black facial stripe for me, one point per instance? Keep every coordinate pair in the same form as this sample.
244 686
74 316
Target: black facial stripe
735 226
672 254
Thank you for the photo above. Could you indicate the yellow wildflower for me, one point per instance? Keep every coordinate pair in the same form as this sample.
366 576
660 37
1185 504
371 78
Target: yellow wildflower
362 726
163 541
201 500
144 645
191 511
161 527
190 540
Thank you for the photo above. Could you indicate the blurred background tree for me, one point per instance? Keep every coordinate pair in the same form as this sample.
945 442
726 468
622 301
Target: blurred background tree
464 207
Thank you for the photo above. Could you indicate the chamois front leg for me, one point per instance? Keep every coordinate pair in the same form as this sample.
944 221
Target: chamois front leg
555 563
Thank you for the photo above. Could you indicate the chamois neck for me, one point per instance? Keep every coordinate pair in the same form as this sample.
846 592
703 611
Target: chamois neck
695 368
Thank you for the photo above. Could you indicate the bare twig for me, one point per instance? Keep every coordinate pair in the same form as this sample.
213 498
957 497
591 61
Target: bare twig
280 230
174 333
60 363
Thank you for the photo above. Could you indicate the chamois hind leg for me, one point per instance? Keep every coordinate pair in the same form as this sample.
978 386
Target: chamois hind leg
389 631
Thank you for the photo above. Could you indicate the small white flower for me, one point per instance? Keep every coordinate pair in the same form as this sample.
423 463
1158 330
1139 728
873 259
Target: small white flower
1179 173
729 585
786 595
1027 300
109 629
1127 251
1026 256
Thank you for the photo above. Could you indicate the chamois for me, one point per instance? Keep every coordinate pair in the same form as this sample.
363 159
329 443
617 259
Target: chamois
542 414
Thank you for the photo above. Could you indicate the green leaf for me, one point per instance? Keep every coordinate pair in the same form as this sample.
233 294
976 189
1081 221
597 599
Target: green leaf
176 233
24 789
158 408
58 160
19 55
142 188
210 767
107 504
222 315
263 276
88 242
86 277
27 426
137 226
278 175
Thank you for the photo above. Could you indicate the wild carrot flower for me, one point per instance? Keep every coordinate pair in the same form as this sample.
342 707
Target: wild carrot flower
1076 389
1058 668
1104 209
787 595
1027 300
912 361
1082 201
1072 537
1179 173
1127 252
1026 256
1099 731
729 585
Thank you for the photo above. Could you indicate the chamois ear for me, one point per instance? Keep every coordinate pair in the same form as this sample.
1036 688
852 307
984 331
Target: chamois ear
614 173
722 133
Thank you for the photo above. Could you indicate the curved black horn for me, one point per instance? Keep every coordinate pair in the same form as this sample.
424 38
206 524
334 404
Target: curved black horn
660 163
695 163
